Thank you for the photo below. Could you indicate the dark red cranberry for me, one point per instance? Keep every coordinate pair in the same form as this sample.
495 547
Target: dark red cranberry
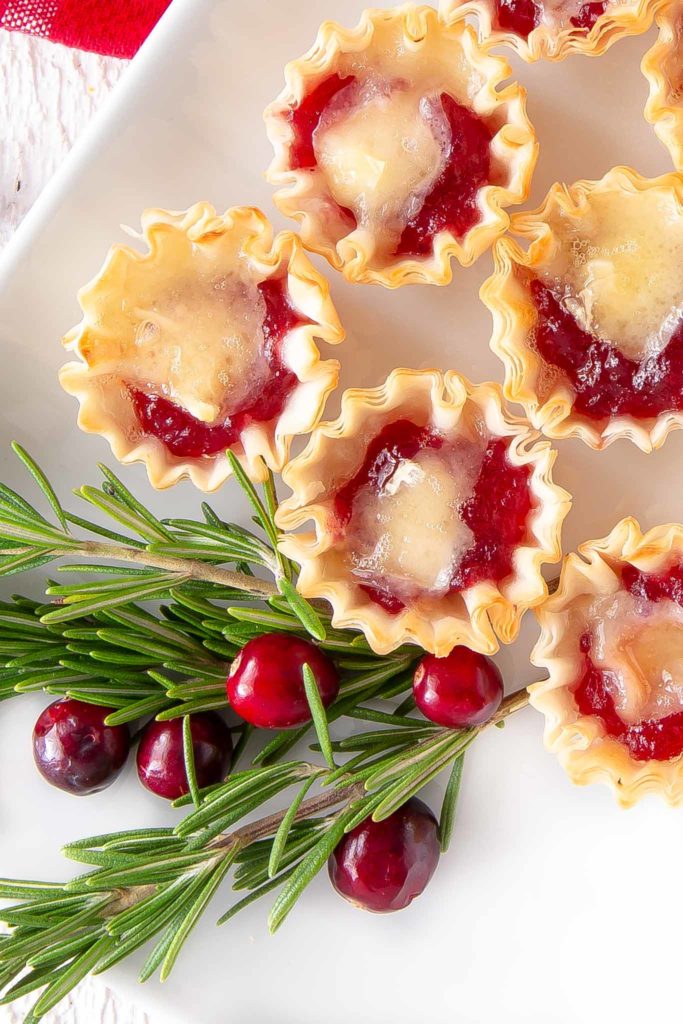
383 865
266 685
74 749
161 760
459 691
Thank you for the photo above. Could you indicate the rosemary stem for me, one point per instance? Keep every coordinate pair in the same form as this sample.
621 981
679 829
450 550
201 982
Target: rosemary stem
244 836
194 568
512 703
264 827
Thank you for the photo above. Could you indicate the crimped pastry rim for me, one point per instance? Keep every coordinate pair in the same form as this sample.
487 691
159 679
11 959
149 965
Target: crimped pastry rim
515 145
585 753
665 117
554 416
264 446
544 44
491 612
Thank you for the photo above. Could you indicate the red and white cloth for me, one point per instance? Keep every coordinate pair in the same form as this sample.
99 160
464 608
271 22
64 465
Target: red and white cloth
113 27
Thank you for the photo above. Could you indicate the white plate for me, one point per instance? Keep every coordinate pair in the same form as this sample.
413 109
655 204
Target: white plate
553 907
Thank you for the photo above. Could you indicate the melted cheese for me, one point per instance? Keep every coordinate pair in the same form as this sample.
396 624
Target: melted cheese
382 146
620 268
199 342
410 534
640 643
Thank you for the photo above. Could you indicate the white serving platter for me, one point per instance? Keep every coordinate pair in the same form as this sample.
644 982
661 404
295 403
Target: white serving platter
553 906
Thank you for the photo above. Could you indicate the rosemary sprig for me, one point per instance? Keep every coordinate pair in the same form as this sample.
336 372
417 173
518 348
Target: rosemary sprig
154 634
180 549
93 640
154 884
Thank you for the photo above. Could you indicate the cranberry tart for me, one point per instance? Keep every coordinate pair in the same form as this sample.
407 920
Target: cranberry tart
663 67
433 511
612 643
204 342
589 318
552 29
395 148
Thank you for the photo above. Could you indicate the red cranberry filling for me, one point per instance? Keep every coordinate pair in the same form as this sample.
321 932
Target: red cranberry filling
496 512
522 16
518 16
605 382
188 437
451 204
588 15
655 739
305 118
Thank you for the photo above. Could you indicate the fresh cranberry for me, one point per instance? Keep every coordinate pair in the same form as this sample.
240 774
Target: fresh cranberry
605 382
74 749
460 691
187 437
383 865
161 759
266 685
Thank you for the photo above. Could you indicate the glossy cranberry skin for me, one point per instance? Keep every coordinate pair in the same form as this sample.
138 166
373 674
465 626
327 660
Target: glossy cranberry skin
266 685
459 691
161 761
383 865
74 749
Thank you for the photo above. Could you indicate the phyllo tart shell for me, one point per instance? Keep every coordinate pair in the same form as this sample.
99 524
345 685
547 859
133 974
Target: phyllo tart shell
662 65
590 31
189 320
405 60
605 257
477 616
599 581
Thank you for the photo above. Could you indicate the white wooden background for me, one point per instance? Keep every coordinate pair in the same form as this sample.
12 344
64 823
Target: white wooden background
47 94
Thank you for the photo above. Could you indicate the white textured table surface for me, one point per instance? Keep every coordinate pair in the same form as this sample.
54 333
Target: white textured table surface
47 94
